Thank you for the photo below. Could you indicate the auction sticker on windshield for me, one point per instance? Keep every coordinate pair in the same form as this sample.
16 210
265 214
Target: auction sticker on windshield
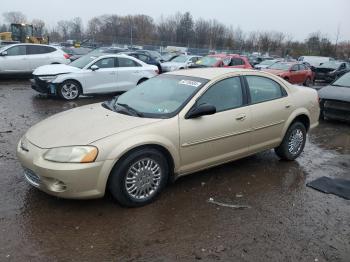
190 83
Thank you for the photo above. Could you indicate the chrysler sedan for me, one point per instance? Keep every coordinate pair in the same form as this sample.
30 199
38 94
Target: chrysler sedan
169 126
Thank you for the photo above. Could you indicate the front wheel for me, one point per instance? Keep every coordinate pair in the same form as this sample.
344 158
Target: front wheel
69 90
139 178
293 142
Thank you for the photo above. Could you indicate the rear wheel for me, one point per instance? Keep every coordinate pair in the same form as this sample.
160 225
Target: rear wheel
69 90
308 82
138 179
293 142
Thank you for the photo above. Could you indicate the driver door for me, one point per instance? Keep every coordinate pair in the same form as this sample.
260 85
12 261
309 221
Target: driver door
16 60
223 136
102 80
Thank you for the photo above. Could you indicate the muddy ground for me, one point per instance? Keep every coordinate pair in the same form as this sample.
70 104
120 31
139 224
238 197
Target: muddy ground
287 221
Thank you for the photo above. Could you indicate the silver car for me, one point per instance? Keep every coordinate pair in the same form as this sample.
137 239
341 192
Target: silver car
180 62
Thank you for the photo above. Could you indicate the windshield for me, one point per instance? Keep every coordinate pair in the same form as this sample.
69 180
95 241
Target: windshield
331 64
162 96
208 61
168 57
180 59
280 66
83 61
343 81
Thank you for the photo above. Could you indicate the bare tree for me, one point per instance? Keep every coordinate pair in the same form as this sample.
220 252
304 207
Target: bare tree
39 26
14 17
63 27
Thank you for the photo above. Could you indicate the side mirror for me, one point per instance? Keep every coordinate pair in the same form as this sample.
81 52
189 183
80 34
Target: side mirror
94 67
4 53
201 110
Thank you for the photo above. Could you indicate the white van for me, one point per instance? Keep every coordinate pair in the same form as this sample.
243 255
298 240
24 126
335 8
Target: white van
315 60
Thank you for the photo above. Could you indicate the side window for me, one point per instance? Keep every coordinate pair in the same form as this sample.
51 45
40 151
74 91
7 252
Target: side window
143 58
194 59
16 50
226 61
126 62
224 95
263 89
302 67
105 62
295 68
236 61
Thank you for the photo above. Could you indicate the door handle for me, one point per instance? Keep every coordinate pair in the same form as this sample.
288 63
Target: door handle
241 117
288 106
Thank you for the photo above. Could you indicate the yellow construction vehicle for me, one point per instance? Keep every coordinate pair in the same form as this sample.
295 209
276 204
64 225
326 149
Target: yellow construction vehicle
23 33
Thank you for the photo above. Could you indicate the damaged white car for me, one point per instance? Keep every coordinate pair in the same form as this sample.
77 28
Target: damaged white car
92 75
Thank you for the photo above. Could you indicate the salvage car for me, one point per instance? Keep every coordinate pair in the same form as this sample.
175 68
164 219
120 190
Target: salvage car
146 59
223 60
294 73
25 58
330 71
335 99
92 75
180 62
265 64
169 126
76 52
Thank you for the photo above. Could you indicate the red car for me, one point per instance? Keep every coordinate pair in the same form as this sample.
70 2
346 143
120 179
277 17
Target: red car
294 73
223 60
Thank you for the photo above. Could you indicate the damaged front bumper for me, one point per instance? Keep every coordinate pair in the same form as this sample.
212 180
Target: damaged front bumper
42 86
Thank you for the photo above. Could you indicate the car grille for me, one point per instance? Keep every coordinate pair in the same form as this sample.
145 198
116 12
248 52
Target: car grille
31 177
337 110
41 86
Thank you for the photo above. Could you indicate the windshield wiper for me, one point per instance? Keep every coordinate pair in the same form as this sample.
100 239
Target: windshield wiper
131 109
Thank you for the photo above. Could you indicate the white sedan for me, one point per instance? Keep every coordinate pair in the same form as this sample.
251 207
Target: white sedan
92 75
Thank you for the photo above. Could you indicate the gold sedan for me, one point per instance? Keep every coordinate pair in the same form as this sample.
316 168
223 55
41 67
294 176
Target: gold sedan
169 126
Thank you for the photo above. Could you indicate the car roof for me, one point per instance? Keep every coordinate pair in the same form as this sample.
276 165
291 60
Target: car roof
207 73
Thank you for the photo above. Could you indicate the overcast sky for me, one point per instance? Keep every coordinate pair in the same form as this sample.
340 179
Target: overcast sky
295 17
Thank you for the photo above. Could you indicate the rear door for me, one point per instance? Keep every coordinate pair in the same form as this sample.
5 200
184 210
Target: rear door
39 55
16 60
129 72
270 107
102 80
212 139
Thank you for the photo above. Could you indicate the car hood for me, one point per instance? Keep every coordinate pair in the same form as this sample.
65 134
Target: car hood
335 93
55 69
82 126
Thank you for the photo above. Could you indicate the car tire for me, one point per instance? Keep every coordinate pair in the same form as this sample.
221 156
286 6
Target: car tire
308 82
293 142
130 181
141 81
69 90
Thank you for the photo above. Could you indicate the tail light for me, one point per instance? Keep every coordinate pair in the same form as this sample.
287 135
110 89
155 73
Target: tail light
66 56
157 71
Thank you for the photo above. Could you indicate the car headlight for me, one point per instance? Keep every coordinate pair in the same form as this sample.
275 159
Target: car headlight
47 78
74 154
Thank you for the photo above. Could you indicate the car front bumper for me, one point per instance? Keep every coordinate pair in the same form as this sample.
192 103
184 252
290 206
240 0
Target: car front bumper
335 109
64 180
43 86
